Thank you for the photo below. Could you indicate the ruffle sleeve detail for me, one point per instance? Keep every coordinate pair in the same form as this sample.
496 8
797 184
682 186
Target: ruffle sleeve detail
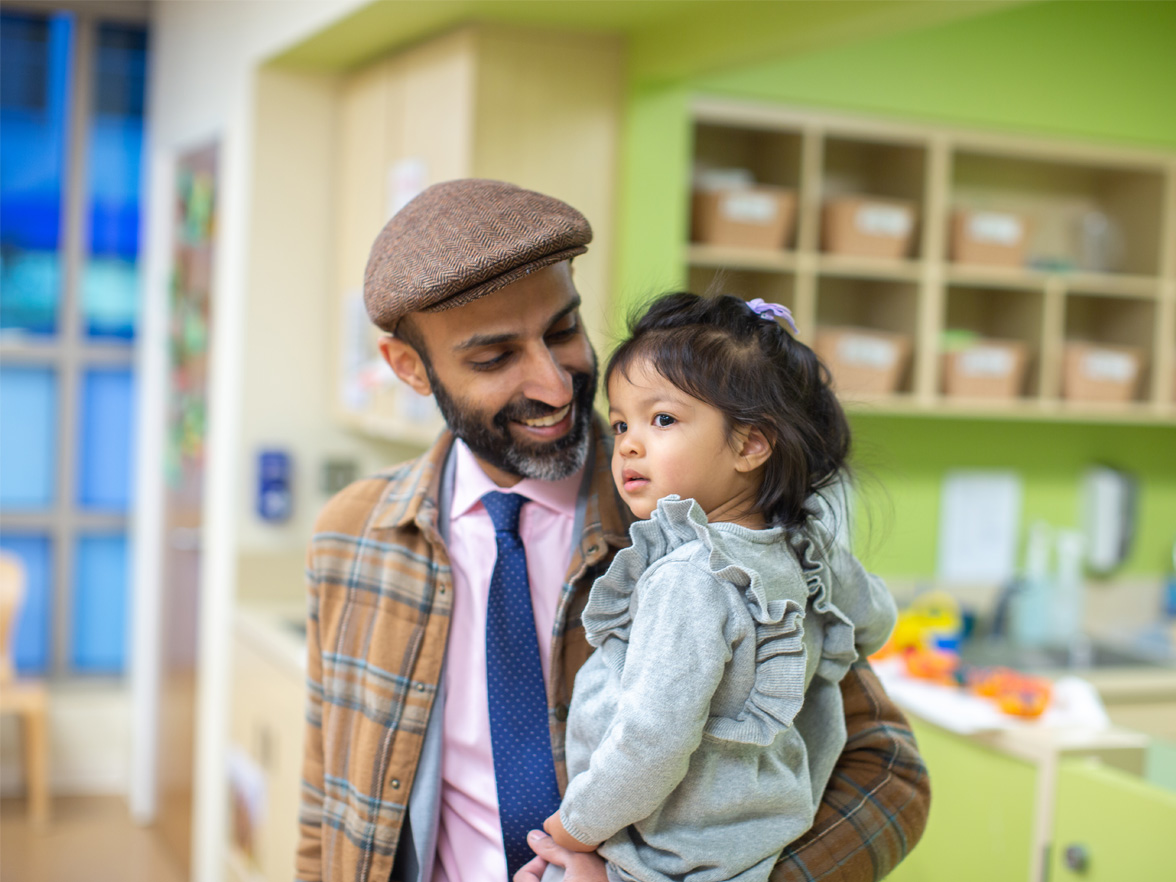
812 548
780 680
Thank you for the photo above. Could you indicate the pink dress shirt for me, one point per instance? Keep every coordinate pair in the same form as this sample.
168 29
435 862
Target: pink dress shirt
469 844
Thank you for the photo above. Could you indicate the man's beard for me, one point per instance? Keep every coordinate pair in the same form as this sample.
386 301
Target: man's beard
490 438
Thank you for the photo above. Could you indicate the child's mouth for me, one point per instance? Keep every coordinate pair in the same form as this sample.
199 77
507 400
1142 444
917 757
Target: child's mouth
633 481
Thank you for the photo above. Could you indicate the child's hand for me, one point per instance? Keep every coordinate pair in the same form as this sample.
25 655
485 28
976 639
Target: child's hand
555 829
578 866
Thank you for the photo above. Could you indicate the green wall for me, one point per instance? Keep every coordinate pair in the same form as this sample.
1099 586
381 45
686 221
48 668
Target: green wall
1094 71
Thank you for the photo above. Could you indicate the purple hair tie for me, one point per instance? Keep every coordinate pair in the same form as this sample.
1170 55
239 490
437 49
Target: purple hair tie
772 311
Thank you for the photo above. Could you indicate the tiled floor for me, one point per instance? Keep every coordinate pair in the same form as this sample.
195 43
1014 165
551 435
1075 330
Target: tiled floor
90 839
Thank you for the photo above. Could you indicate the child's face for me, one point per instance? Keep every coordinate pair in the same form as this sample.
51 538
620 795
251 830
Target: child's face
668 442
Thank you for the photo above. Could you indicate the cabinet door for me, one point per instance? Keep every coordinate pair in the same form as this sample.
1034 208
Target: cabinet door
981 821
1114 825
267 725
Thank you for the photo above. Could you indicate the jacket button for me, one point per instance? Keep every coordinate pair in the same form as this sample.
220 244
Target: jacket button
420 687
561 712
395 782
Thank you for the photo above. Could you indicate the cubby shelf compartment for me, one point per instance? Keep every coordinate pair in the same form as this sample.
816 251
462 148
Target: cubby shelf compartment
852 267
1118 289
726 257
773 287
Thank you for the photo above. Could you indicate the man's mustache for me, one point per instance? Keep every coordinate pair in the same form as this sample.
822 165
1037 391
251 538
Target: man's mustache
529 409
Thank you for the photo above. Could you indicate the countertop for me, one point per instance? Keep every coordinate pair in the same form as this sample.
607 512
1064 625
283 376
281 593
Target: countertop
278 630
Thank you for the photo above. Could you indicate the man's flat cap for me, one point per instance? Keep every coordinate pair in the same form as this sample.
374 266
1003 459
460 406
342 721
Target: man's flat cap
461 240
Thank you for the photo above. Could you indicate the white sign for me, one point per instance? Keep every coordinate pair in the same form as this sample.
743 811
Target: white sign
868 351
883 220
750 208
979 520
995 228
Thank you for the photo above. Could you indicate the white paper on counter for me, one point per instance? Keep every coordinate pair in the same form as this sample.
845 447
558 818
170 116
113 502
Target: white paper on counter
979 518
1073 703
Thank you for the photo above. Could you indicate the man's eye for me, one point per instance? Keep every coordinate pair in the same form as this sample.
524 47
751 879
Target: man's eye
564 333
620 427
663 419
490 364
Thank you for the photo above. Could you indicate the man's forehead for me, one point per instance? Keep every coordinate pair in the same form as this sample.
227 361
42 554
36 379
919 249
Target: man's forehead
525 308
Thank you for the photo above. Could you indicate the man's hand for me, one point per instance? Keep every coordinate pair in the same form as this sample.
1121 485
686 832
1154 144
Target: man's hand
578 866
555 829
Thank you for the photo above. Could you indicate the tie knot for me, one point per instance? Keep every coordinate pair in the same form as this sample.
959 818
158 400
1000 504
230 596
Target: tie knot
503 509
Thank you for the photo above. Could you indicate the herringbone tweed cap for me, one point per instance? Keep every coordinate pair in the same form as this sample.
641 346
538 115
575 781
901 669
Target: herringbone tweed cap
461 240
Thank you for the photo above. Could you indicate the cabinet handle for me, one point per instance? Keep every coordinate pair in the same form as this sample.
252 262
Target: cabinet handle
1077 857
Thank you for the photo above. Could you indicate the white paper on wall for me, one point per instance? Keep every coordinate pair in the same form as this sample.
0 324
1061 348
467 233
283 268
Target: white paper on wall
979 521
406 179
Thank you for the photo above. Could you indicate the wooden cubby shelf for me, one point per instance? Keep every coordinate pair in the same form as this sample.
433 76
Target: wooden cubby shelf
1098 260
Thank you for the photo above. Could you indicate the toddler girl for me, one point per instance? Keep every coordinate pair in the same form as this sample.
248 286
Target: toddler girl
704 728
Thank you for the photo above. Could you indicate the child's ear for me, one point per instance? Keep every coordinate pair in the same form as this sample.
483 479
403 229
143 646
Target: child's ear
754 449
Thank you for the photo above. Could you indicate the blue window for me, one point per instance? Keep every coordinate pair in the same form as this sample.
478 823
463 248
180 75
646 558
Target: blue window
28 437
105 443
99 608
110 287
67 384
34 72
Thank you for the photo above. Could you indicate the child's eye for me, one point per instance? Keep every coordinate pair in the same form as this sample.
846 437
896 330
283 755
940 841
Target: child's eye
663 419
620 427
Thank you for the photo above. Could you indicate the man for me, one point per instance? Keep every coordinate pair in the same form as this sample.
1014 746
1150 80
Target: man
436 715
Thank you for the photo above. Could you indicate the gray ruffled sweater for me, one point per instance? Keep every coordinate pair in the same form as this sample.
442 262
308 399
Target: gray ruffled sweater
703 730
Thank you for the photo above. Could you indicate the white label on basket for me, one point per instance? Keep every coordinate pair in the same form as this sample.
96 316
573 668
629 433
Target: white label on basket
883 220
994 228
985 361
1103 364
750 208
868 351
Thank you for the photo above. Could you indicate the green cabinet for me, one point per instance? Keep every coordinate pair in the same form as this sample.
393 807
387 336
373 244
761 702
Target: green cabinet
989 806
1115 826
981 823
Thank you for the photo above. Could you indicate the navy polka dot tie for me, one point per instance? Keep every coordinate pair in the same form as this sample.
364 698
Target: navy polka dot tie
519 733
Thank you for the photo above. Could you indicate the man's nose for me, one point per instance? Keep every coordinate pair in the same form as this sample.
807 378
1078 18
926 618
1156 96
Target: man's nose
547 380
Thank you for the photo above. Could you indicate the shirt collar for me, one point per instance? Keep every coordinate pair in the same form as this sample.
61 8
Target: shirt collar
470 484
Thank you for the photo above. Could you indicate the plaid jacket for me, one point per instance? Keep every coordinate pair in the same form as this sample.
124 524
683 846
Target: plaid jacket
380 596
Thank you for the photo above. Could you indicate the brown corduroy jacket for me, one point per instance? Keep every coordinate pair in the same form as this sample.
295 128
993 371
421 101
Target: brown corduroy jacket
380 596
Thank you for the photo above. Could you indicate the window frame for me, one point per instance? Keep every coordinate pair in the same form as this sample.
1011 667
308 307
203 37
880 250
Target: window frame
71 351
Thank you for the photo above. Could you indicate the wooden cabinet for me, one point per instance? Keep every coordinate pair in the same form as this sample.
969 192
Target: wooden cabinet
538 108
1098 229
266 733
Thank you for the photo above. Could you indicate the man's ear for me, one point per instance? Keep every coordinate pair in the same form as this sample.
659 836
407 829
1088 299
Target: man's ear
754 449
406 363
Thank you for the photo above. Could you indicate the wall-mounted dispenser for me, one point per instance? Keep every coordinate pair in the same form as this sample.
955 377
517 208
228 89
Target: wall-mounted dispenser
1109 498
275 499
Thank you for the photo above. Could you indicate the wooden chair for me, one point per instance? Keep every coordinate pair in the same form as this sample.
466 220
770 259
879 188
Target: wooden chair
29 699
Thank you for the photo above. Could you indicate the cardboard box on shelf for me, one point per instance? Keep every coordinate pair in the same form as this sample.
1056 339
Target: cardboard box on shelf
1100 372
863 360
985 368
867 227
989 238
757 216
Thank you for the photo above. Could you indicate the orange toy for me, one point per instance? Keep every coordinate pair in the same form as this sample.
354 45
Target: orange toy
1025 697
991 682
937 665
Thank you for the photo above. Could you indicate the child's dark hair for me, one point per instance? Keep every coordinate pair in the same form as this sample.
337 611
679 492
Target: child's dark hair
716 349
